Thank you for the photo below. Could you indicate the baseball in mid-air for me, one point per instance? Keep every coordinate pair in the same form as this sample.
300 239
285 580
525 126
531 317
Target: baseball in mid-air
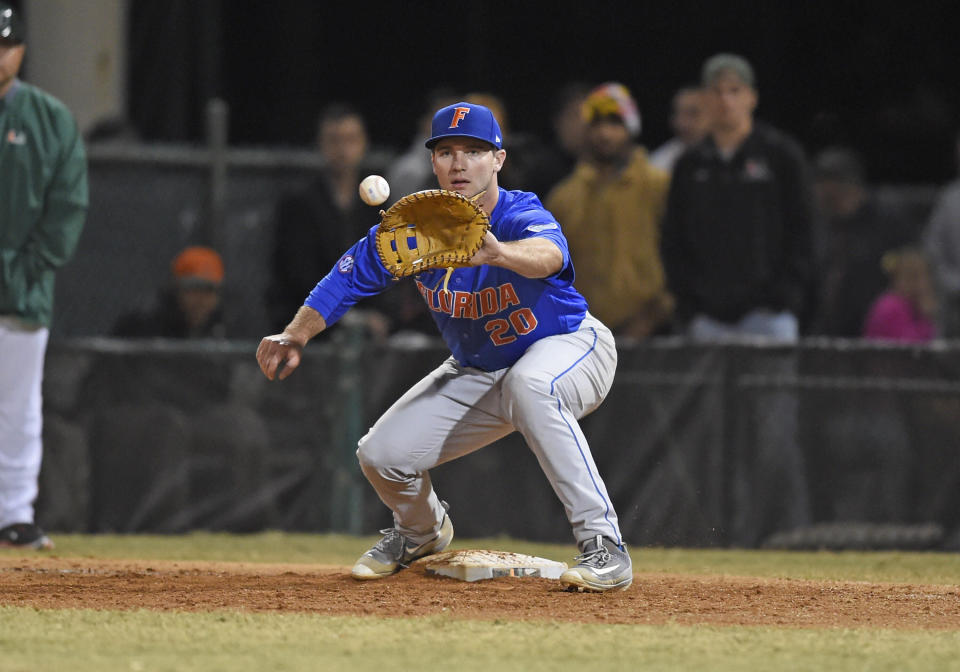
374 190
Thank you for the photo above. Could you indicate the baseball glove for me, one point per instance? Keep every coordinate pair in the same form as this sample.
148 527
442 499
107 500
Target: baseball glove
430 229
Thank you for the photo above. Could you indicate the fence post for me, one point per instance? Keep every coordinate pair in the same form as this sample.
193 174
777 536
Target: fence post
346 495
217 129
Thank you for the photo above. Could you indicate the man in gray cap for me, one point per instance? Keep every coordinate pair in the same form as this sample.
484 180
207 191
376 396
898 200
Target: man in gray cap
737 238
737 250
43 204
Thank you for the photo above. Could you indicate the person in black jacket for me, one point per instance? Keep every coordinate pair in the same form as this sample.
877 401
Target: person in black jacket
314 225
737 236
738 254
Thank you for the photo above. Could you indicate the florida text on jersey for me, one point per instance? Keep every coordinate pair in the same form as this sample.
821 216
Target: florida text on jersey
490 315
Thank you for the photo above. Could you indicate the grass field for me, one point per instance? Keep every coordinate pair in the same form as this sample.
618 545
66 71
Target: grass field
33 639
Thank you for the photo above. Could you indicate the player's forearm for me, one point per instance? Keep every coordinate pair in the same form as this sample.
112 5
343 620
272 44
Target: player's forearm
531 257
306 324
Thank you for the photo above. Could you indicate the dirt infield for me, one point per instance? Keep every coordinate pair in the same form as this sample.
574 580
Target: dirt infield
52 582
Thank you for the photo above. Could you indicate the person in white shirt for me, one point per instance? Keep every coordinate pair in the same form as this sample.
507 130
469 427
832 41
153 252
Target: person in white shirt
688 119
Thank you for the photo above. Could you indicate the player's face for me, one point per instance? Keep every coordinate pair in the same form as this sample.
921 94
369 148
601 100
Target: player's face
731 102
10 59
466 166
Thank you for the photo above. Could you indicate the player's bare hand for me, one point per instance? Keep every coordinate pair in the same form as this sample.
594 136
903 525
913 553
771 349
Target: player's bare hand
489 251
279 355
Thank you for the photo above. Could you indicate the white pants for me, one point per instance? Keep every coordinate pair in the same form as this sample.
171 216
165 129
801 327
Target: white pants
456 410
22 351
760 323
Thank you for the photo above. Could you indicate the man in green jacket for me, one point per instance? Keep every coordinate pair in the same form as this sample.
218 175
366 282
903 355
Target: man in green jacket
43 204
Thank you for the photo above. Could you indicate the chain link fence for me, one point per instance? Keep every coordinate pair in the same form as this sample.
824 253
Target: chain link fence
699 446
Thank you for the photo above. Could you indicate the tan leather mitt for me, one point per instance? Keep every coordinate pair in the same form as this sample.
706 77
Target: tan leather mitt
430 229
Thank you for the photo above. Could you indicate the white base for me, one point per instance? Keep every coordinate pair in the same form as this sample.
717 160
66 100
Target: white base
475 565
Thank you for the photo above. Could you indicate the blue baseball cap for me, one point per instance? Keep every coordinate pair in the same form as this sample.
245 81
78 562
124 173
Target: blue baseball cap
467 120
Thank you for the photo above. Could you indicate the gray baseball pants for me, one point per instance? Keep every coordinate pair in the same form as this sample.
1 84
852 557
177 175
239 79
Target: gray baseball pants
456 410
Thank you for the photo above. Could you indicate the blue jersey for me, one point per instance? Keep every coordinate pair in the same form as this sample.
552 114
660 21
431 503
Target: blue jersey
490 315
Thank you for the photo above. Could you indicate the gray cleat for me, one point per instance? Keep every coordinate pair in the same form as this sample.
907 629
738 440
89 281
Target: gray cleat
601 566
395 552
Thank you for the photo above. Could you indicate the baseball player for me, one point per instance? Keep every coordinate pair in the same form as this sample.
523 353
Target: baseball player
43 205
526 356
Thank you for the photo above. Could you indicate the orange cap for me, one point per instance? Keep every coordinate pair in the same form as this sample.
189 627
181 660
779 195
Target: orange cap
198 264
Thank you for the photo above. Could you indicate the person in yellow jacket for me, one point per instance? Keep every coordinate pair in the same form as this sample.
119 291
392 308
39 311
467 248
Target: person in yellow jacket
610 208
43 205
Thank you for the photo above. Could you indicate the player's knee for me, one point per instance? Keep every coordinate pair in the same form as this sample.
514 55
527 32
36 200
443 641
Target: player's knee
367 451
519 382
374 453
521 389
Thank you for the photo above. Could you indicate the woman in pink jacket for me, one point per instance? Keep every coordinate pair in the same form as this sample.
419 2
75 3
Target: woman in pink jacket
905 312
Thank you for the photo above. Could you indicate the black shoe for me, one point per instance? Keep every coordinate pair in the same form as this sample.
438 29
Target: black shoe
601 566
25 535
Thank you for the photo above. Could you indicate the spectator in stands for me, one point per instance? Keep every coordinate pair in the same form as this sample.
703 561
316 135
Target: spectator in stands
737 234
610 208
855 233
43 206
738 253
558 158
412 170
942 244
196 442
190 307
314 225
906 311
688 119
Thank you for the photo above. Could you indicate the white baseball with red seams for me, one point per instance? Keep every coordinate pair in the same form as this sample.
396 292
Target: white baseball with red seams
374 190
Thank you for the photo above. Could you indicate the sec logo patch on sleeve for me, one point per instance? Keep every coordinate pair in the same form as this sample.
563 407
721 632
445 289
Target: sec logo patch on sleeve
345 265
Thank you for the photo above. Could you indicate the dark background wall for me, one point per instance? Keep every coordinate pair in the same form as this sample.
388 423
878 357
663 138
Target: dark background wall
878 76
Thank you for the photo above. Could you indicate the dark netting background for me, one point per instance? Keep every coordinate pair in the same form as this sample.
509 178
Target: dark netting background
699 446
832 444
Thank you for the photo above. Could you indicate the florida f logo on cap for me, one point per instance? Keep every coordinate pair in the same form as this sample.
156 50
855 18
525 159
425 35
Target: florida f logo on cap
467 120
458 115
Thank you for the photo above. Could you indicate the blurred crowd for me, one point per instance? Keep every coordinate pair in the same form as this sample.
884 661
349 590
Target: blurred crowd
727 230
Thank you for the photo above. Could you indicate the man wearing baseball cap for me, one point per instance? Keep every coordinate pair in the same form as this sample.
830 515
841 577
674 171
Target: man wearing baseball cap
473 128
611 207
745 190
43 204
190 307
526 356
737 248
